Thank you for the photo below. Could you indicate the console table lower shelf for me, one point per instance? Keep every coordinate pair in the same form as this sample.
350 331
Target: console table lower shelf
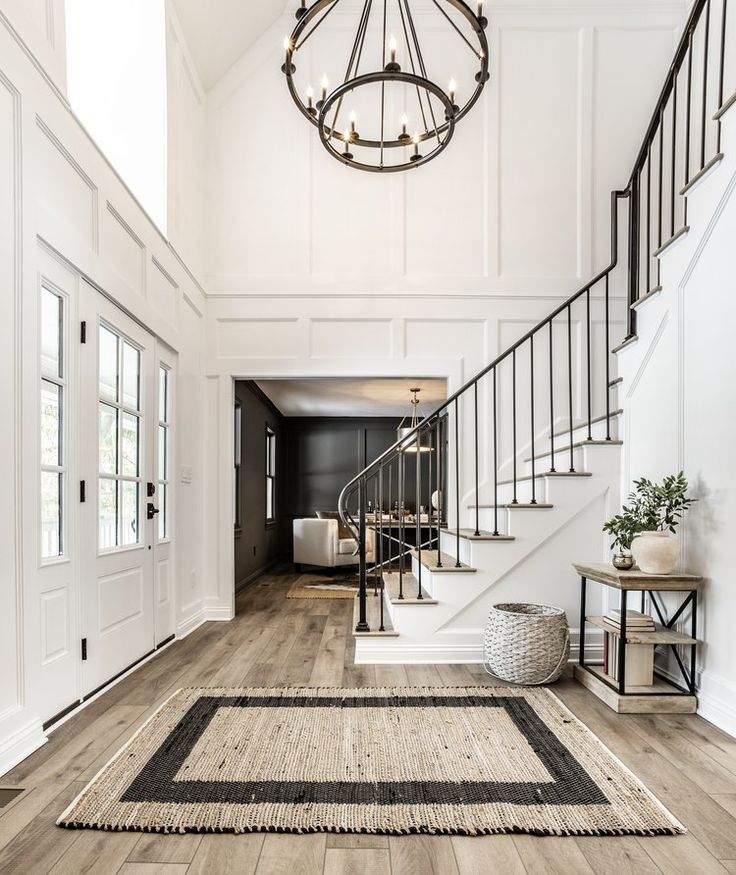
662 696
659 698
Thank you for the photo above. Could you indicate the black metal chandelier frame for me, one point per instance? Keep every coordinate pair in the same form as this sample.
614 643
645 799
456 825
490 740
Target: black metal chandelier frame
439 130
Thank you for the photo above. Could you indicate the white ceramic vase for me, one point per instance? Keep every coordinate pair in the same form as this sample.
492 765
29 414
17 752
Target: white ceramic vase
655 552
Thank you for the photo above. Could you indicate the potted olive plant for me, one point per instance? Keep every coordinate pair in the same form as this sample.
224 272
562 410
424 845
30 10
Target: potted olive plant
642 530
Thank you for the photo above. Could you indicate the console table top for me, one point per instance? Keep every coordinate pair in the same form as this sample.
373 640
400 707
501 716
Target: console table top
601 572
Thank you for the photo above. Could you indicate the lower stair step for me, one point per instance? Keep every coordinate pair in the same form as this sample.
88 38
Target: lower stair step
469 535
373 617
525 478
410 590
518 506
449 563
566 449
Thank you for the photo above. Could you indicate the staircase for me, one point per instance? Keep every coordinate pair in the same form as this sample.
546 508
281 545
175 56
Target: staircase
525 460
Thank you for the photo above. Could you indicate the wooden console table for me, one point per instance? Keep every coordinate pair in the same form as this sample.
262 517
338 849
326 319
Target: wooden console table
664 695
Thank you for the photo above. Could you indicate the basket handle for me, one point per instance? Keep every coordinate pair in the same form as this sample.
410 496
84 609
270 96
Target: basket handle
561 661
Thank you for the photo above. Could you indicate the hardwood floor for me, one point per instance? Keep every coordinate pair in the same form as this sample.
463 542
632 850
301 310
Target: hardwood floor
689 764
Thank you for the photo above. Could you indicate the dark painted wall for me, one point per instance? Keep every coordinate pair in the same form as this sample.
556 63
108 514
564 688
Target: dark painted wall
258 545
317 456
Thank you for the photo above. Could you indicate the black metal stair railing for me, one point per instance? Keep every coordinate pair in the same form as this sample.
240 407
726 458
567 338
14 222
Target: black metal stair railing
501 411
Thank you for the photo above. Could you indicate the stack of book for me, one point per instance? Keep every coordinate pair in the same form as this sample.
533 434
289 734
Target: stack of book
639 657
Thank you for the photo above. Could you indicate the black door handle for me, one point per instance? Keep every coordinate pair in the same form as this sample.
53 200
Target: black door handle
152 511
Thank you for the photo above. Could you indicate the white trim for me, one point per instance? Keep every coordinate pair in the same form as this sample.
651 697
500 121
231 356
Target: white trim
717 702
21 744
186 627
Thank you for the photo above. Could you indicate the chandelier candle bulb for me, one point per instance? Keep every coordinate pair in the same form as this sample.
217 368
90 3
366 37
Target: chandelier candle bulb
392 66
404 136
324 85
310 98
416 156
482 20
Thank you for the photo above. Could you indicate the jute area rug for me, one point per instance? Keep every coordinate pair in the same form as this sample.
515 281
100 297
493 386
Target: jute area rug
322 586
465 761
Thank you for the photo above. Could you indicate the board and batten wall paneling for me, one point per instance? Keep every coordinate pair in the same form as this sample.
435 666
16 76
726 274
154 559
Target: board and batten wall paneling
517 205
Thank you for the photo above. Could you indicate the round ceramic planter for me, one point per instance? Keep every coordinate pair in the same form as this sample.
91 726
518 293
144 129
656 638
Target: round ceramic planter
655 552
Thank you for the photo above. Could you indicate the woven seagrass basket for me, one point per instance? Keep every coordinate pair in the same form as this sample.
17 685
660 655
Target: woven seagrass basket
526 644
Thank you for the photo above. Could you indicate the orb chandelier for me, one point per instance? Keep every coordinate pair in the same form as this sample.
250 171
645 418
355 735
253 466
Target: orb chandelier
388 113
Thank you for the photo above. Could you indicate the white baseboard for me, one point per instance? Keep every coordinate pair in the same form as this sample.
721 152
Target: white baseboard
717 702
186 627
391 651
218 613
21 744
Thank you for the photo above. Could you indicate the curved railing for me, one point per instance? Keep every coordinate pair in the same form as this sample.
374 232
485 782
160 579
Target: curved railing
498 413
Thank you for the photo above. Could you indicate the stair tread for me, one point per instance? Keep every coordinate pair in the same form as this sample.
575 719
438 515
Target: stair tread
373 617
449 563
596 419
527 477
391 582
469 535
566 449
524 505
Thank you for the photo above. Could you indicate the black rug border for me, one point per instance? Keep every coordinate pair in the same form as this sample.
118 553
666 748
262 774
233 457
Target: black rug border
155 783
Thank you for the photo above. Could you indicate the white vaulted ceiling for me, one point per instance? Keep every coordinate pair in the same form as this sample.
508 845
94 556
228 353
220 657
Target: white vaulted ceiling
219 32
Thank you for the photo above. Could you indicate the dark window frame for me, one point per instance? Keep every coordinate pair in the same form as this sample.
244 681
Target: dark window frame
270 476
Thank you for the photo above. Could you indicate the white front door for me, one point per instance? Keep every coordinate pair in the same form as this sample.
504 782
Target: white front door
119 515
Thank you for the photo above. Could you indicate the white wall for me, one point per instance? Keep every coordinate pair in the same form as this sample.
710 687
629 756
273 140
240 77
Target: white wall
65 215
681 414
314 269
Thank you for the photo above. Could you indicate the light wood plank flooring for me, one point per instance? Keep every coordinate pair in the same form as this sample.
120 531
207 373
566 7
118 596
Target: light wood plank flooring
688 763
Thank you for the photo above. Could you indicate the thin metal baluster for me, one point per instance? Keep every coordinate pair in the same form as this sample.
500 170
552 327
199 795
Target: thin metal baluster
430 438
381 627
390 520
569 384
515 499
531 368
551 400
401 545
495 455
590 393
440 485
475 404
649 215
688 111
375 534
721 66
660 169
418 498
704 108
608 367
362 594
458 563
673 168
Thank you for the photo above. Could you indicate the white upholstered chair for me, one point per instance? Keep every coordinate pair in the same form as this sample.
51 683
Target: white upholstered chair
317 542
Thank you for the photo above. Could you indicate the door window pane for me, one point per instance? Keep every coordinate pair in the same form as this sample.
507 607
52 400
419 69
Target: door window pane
51 498
50 424
108 354
163 453
131 376
51 334
130 445
130 513
108 513
163 395
108 439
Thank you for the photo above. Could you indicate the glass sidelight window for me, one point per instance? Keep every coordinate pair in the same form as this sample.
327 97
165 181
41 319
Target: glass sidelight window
164 452
120 438
53 462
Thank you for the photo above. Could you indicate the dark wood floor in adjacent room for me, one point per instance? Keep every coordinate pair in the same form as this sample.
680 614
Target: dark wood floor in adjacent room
689 764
